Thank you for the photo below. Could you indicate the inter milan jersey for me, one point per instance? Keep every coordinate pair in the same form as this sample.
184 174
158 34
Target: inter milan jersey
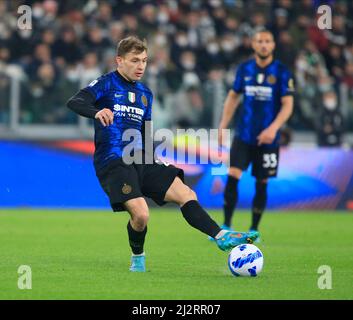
131 103
262 90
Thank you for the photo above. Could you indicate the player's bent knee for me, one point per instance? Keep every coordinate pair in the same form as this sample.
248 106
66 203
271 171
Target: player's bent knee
141 218
139 212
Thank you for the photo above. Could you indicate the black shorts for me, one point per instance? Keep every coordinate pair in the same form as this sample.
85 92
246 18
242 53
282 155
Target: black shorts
264 159
123 182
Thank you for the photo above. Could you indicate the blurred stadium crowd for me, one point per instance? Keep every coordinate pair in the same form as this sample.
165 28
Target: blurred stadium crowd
194 49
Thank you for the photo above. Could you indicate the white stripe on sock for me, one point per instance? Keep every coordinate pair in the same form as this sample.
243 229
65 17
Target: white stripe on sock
137 255
221 234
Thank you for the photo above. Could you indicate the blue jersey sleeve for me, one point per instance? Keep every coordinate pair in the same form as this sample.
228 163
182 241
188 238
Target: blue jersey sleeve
287 83
238 82
148 113
97 88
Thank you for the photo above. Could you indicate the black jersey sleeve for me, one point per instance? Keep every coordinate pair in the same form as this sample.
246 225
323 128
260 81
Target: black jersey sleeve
83 104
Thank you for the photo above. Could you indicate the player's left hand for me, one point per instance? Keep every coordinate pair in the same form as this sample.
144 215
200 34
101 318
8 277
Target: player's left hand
266 136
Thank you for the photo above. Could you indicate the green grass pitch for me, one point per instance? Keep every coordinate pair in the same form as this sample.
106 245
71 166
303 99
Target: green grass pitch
85 255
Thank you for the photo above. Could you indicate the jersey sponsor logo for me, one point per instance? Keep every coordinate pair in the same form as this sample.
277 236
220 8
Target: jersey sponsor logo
271 79
128 109
260 78
132 113
131 97
259 92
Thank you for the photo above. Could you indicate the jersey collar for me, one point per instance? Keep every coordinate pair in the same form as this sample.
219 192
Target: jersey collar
264 68
123 79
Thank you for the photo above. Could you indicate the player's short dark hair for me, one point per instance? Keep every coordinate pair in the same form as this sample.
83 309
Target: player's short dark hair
263 30
131 44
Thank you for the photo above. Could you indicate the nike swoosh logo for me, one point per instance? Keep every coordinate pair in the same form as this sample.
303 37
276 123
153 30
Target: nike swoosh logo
118 95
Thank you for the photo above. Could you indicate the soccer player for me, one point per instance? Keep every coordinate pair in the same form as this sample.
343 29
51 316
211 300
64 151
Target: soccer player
267 89
118 101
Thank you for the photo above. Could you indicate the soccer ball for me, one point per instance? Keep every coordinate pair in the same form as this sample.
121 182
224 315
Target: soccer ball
245 260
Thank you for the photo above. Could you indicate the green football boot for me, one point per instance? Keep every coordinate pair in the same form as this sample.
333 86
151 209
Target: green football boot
138 263
233 238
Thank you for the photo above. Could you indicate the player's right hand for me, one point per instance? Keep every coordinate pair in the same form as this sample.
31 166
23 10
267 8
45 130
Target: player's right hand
105 116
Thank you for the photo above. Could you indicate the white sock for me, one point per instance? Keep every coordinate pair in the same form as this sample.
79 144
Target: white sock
138 255
221 234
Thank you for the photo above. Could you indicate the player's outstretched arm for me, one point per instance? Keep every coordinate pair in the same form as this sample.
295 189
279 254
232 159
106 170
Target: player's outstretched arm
83 104
230 105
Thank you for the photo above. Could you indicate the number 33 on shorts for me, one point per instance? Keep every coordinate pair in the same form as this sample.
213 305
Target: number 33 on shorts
270 161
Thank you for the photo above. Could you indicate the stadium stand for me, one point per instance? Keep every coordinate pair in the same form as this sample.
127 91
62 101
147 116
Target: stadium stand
195 47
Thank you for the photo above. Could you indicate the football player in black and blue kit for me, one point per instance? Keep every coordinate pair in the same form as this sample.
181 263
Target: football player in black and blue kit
267 88
119 102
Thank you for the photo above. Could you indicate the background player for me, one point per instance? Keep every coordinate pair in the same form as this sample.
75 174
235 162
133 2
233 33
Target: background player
267 88
118 102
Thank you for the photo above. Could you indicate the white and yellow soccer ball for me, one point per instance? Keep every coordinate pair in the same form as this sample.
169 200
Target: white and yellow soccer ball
245 260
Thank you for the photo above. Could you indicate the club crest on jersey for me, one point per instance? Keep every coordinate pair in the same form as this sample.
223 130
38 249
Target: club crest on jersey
144 100
271 79
126 189
131 97
260 78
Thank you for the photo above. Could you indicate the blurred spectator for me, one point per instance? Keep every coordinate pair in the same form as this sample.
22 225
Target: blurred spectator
231 25
219 16
188 106
229 46
42 54
48 38
298 31
95 41
210 56
245 49
90 69
116 32
187 62
103 16
193 30
348 75
281 21
337 35
214 93
131 24
44 97
329 123
179 44
286 51
147 20
67 49
335 61
256 22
